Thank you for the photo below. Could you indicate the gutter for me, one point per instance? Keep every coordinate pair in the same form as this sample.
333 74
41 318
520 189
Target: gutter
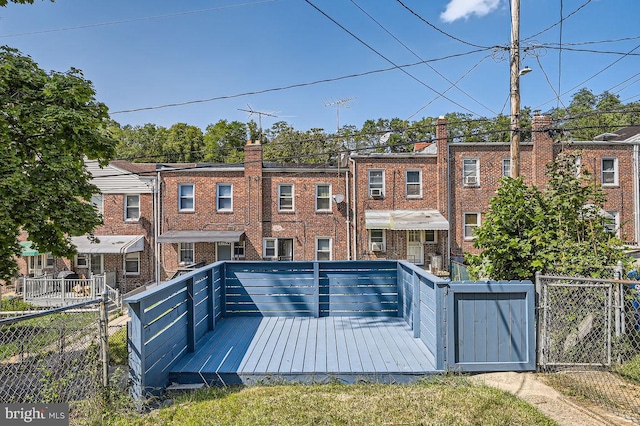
355 207
636 195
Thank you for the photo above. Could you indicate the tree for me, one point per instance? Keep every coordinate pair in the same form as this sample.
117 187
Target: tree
559 230
140 144
224 142
49 123
184 144
4 2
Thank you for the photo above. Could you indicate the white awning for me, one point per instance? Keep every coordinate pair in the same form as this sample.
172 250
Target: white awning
405 220
109 244
200 237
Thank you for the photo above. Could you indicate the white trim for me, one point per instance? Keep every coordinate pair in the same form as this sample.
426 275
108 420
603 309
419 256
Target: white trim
377 185
330 247
471 226
329 198
128 256
471 179
407 183
181 250
127 206
192 197
275 248
614 171
293 197
229 197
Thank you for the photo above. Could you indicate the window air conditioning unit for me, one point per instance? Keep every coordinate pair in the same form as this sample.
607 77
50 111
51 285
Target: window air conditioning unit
377 247
375 192
470 180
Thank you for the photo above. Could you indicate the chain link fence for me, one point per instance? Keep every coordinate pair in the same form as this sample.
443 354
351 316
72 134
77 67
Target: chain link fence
62 356
589 340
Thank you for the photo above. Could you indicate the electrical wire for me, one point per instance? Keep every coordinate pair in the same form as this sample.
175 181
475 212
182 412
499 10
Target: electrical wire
440 30
126 21
387 59
559 22
559 100
453 85
290 86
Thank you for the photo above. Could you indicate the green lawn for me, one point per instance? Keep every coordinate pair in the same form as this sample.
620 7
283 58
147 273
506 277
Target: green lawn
448 401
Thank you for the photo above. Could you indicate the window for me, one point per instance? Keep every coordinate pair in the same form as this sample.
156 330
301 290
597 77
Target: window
471 171
238 249
269 250
414 183
224 193
323 248
323 197
82 260
430 236
186 253
98 202
471 222
51 261
285 197
506 167
186 202
131 207
609 171
612 222
377 239
376 183
132 263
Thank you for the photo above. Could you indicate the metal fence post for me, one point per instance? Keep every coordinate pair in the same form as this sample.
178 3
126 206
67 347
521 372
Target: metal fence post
104 337
538 301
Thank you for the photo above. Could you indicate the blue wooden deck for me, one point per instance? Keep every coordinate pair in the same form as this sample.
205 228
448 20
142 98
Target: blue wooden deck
250 349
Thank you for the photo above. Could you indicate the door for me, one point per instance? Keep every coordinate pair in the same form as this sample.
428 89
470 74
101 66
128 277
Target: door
97 265
415 247
224 251
285 249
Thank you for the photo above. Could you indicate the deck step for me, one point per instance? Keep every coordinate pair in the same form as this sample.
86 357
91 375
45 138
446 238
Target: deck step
185 386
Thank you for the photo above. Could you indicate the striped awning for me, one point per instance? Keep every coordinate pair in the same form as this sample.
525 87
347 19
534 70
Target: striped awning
25 246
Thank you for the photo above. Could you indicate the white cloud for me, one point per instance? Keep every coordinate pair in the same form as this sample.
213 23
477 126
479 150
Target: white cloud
457 9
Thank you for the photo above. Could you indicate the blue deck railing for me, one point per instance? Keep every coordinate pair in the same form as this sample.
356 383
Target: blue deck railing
451 319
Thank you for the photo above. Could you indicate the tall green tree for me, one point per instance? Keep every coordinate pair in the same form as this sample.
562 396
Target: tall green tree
140 144
184 144
224 142
49 123
558 230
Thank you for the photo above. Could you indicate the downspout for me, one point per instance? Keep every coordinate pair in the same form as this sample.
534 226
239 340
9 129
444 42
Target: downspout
156 228
449 204
355 211
636 195
346 182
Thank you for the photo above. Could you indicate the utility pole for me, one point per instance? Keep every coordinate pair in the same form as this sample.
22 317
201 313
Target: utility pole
339 103
515 88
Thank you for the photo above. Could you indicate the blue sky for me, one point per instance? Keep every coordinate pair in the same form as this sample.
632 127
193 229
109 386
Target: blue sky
247 53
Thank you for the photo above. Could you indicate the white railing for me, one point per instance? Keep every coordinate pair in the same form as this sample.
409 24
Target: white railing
61 291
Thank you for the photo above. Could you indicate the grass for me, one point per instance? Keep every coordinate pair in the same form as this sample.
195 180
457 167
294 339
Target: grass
118 353
10 304
449 400
631 368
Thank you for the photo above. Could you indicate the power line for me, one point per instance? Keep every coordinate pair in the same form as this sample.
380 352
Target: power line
126 21
439 29
291 86
429 65
387 59
559 22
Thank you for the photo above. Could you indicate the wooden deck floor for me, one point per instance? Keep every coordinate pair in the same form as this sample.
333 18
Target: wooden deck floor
256 349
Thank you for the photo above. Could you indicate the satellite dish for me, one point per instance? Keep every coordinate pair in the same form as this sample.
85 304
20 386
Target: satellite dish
338 198
384 138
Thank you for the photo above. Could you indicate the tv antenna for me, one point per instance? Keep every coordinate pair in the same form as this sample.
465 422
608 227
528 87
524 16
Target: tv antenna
251 111
344 103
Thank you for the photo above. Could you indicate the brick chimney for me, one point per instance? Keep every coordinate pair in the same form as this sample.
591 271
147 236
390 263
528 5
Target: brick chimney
542 148
254 181
443 163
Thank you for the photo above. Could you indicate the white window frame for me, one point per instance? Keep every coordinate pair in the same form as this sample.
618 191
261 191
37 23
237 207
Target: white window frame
615 224
471 171
506 167
185 248
265 246
377 239
413 184
182 197
127 206
614 171
329 251
50 261
292 197
239 250
327 198
430 236
97 200
467 228
376 184
132 257
81 260
220 197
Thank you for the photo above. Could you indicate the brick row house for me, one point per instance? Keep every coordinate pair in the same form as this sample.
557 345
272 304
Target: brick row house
421 206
